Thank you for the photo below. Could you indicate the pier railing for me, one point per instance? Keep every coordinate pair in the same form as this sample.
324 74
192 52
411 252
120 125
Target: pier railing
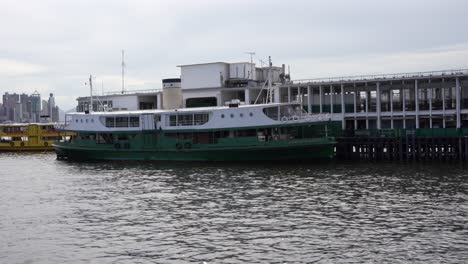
383 76
142 91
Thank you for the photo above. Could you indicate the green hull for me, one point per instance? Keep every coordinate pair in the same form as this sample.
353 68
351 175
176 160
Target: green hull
261 153
254 144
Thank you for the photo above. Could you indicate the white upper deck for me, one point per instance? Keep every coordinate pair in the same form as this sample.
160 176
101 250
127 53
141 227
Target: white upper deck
191 118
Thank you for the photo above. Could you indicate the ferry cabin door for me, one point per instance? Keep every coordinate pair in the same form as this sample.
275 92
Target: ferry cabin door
147 122
147 125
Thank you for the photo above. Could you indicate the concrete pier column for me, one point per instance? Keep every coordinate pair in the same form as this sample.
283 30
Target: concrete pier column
367 108
416 101
299 94
277 94
331 99
356 92
289 94
430 105
458 100
391 105
403 90
219 101
391 100
321 98
159 101
343 107
379 125
309 99
247 96
443 104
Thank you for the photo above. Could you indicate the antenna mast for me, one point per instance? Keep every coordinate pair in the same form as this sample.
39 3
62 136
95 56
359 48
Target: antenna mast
270 92
123 72
90 93
251 53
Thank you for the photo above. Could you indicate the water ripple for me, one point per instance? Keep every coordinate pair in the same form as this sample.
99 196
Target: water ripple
55 212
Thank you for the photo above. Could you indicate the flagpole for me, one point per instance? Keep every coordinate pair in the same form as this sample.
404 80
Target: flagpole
123 73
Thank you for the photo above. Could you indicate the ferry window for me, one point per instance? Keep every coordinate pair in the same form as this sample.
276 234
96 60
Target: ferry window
232 115
290 110
185 120
121 121
272 112
110 122
241 115
157 118
188 119
134 121
201 119
173 120
251 114
222 116
92 120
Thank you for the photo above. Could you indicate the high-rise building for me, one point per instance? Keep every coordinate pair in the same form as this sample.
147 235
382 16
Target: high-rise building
55 114
35 99
24 106
51 104
45 108
9 102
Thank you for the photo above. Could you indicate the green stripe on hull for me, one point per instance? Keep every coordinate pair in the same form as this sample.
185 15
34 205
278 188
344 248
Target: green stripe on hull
322 151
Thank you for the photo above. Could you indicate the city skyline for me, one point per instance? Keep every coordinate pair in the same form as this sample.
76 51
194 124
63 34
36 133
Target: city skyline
24 108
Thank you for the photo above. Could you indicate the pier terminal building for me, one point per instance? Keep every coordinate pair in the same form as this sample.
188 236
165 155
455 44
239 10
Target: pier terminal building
437 99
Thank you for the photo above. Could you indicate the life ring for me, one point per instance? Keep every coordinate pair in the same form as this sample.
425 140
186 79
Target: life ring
284 118
295 117
46 144
178 146
117 146
22 144
12 144
187 145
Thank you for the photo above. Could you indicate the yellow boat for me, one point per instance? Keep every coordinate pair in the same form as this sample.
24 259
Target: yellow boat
30 137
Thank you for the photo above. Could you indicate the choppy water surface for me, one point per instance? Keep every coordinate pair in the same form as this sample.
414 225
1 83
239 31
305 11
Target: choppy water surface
60 212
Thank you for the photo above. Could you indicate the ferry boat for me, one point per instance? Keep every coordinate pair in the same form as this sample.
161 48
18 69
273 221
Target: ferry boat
29 137
273 131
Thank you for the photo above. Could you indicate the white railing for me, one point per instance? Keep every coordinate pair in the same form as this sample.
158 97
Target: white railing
60 126
306 117
133 91
383 76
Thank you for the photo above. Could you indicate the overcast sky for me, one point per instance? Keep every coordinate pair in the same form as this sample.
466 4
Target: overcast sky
53 46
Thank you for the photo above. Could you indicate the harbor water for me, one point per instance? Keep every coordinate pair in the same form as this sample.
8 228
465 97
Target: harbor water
55 211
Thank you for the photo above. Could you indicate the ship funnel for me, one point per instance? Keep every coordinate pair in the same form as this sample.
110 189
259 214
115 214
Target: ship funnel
172 94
